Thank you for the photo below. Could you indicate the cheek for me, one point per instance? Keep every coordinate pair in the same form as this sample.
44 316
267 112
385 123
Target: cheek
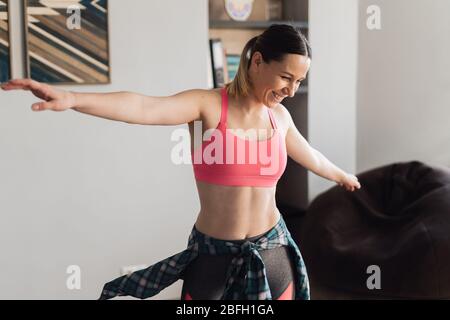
273 82
277 84
281 83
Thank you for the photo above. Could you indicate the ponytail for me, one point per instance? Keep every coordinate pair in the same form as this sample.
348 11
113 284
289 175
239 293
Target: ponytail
240 86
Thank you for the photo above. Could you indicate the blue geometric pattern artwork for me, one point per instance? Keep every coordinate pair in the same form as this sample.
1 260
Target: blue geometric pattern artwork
67 41
5 53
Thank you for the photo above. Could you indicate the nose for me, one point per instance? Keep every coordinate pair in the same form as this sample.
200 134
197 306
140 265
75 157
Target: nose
290 91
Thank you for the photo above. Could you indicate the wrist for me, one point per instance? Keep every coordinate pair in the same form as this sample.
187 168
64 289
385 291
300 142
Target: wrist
74 99
342 176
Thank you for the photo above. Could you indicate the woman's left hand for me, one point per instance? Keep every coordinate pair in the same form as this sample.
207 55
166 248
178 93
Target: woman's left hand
350 182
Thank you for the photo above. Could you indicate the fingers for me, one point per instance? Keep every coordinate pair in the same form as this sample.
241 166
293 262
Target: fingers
352 187
355 183
25 84
40 106
9 84
351 183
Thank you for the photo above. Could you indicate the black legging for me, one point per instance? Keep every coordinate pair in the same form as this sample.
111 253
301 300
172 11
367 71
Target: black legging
204 278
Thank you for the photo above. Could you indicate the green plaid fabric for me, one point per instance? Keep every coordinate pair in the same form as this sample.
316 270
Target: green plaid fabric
246 277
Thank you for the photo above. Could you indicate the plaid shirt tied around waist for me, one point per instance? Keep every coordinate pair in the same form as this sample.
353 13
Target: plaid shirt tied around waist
246 275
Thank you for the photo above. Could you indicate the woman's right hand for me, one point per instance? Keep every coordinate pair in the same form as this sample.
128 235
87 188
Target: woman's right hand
350 182
54 99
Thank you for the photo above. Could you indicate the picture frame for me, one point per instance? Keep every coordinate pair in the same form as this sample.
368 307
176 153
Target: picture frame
5 42
67 44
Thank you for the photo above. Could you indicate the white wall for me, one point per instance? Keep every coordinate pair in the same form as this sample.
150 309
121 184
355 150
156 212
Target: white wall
80 190
332 85
404 84
379 96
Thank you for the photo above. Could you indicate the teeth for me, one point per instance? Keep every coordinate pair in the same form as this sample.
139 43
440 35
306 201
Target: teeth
276 96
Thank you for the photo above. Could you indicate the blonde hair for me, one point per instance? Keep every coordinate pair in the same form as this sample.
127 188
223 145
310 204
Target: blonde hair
240 86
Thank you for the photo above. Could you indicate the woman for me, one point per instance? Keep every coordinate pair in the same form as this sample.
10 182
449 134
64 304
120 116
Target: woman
239 247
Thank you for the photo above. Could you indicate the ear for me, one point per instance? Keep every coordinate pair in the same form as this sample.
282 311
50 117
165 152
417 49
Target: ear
257 59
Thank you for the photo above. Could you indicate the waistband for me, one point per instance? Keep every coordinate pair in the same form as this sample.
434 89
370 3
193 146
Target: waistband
237 241
275 237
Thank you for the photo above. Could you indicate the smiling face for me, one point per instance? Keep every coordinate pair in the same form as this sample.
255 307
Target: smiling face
274 81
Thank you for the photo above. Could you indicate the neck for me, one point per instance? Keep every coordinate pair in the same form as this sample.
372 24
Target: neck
250 105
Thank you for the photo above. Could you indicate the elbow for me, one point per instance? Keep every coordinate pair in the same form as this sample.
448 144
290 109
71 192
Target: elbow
316 166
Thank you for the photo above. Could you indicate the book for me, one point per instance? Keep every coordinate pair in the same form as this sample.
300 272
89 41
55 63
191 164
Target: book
209 75
232 65
217 62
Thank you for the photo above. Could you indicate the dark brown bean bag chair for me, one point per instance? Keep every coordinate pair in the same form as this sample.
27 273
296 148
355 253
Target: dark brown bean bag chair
399 220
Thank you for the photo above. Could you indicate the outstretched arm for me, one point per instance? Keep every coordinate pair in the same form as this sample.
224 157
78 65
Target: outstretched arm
129 107
301 152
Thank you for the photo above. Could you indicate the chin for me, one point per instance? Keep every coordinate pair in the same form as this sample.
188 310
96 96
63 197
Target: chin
272 104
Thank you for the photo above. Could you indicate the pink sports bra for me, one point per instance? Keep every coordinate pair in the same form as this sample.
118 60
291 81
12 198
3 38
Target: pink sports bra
235 161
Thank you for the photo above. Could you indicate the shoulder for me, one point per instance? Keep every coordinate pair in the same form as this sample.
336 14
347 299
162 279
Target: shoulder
207 97
201 96
282 116
202 99
209 101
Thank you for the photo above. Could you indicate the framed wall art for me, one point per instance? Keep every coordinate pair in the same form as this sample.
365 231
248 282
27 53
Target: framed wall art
5 48
66 42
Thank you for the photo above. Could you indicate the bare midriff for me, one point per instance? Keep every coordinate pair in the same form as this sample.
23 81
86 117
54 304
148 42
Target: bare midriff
235 212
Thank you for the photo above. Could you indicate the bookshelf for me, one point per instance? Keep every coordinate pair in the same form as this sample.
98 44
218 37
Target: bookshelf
292 189
231 24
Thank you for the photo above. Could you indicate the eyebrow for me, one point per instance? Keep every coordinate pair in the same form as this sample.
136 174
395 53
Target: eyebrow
292 75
